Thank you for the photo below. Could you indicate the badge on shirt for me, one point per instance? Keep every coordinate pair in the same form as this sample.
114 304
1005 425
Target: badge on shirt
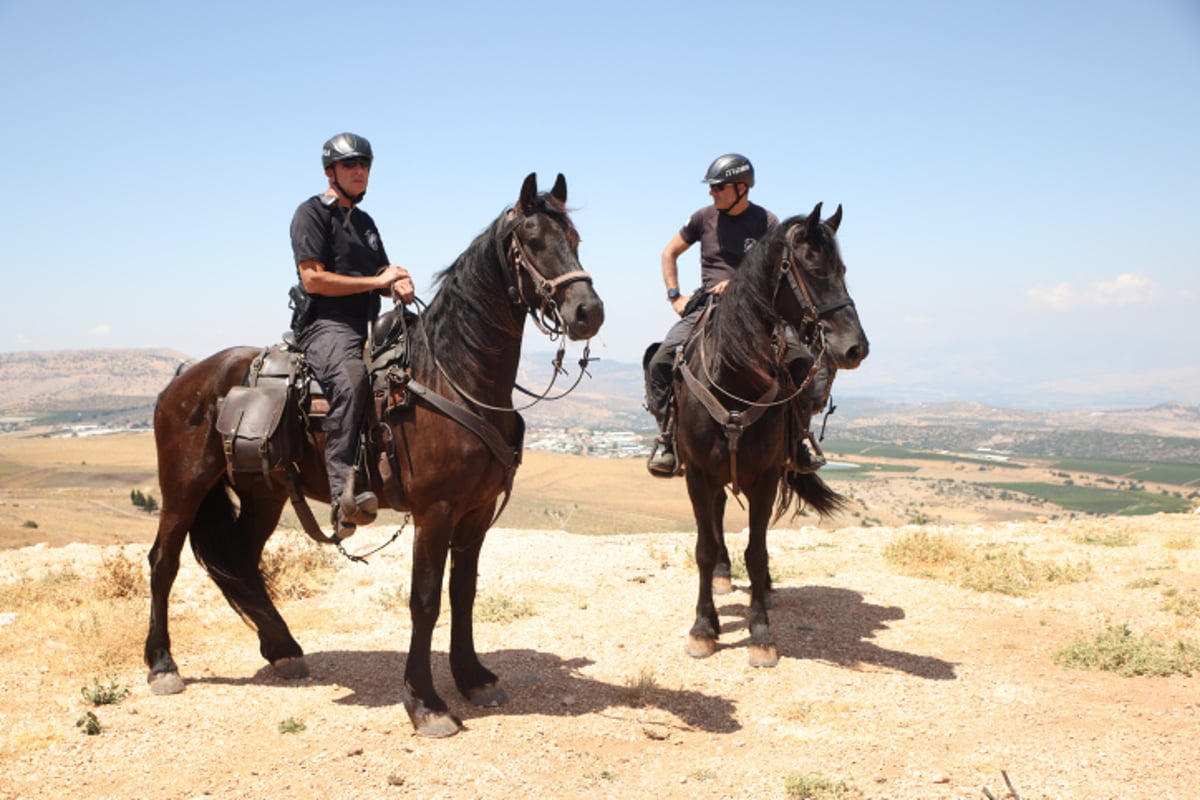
373 239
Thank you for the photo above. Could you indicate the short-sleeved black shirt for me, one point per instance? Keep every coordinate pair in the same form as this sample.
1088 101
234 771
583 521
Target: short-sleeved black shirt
345 241
725 239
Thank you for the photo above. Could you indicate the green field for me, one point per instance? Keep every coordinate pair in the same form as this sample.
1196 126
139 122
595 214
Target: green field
1154 471
850 447
1097 501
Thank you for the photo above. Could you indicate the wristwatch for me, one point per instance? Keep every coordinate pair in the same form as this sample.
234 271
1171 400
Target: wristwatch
672 294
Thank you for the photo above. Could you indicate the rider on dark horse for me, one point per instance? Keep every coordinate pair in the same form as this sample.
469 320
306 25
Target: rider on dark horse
726 231
343 268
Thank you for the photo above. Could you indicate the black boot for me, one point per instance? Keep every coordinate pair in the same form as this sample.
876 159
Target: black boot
355 508
806 461
662 462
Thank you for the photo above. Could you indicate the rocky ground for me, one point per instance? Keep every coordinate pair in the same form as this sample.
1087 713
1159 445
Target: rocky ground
890 685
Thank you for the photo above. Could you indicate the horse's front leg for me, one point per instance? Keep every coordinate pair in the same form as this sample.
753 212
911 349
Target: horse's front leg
702 639
431 543
763 652
722 572
476 682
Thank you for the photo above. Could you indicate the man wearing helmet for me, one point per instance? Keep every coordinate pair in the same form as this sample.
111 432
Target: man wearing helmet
726 230
343 268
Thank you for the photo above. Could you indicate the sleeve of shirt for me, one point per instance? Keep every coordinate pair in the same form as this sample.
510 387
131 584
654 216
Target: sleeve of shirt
308 234
692 229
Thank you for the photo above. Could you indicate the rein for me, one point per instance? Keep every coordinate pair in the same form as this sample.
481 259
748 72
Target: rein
515 261
734 423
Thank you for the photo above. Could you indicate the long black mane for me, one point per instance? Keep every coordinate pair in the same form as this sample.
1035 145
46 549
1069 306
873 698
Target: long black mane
472 318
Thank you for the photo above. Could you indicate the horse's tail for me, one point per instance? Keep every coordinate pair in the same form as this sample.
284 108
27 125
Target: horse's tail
230 557
808 490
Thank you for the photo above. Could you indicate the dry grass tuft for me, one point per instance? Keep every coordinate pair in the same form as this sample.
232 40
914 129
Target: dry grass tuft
1004 570
641 689
294 566
121 578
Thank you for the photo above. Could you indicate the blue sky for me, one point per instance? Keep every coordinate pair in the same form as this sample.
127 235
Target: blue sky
1020 180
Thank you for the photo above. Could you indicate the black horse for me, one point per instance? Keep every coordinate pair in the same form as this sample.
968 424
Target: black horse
454 449
735 397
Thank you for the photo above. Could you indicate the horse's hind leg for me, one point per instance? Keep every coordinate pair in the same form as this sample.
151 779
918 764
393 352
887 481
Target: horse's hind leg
261 505
476 682
702 638
763 652
164 566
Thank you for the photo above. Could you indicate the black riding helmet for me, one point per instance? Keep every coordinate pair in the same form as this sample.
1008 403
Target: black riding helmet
343 146
730 168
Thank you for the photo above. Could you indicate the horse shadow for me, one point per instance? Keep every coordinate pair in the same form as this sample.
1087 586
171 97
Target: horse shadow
537 682
834 625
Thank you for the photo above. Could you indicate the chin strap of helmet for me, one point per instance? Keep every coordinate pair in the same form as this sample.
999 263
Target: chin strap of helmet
354 199
741 195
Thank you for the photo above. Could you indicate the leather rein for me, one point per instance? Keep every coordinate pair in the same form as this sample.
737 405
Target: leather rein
514 262
734 423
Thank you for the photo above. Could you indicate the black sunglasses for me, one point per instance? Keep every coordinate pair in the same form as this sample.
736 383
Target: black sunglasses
351 163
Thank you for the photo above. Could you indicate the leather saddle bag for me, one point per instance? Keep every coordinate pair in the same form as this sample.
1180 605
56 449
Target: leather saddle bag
259 431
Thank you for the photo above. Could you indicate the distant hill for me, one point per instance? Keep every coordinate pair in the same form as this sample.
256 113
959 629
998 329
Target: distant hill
115 385
86 385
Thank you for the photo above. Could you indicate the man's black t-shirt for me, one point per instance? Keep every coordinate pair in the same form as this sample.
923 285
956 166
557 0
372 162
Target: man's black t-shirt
345 241
725 239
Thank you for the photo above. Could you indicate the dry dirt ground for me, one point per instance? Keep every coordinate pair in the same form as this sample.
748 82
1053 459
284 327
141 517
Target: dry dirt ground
901 687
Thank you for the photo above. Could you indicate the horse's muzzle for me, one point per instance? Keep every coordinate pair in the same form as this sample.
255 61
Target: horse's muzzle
583 313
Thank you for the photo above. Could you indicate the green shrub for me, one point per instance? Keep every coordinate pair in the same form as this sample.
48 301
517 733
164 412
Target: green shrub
1117 650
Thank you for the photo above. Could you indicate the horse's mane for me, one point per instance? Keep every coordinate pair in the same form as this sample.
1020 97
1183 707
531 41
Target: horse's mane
745 318
471 314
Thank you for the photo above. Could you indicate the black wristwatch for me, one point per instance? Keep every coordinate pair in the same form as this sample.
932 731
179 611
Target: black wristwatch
672 294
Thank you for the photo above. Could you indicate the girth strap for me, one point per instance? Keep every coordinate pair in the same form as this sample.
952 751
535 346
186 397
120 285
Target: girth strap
733 423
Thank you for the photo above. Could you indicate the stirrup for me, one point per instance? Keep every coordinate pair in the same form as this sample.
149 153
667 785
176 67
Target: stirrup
662 462
814 457
356 509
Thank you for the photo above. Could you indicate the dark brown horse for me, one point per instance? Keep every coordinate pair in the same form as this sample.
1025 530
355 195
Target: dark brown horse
465 347
735 399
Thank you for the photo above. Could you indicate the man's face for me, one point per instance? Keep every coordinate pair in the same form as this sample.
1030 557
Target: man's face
723 195
352 174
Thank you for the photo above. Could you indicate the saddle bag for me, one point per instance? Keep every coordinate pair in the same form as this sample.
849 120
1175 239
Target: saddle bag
257 430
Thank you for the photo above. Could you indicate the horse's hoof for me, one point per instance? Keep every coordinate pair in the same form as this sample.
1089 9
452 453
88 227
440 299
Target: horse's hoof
165 683
438 726
763 655
701 646
295 667
488 696
722 584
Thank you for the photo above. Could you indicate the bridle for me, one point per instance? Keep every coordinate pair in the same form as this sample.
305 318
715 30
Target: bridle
812 314
516 267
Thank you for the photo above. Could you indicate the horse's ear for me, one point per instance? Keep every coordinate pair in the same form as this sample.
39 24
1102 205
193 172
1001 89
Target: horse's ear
559 192
813 219
528 193
836 220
